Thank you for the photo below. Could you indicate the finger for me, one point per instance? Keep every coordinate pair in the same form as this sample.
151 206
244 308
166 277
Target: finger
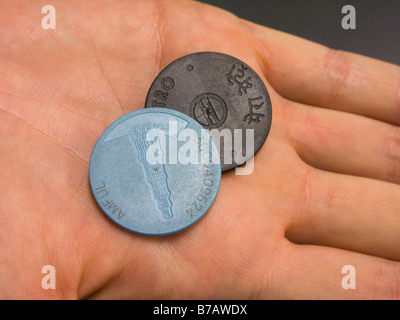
313 272
347 212
344 143
310 73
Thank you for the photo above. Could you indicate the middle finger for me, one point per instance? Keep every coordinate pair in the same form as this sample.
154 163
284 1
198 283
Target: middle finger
344 143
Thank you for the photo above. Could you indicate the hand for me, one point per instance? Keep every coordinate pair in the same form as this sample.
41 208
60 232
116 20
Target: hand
325 191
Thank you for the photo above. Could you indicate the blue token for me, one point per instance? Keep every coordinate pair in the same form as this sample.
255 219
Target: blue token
155 171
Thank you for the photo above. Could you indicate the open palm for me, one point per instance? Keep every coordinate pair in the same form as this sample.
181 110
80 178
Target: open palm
324 192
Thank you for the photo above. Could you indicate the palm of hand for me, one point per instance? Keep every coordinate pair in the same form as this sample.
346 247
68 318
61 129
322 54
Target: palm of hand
60 89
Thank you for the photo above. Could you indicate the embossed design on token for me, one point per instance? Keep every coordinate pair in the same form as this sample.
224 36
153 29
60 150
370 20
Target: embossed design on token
209 109
139 191
156 175
220 92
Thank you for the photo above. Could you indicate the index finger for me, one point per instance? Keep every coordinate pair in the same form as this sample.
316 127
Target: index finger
313 74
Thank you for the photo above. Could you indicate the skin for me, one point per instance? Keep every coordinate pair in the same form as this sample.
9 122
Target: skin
324 194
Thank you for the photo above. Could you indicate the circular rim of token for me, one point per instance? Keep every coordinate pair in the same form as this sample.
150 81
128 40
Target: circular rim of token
122 119
267 130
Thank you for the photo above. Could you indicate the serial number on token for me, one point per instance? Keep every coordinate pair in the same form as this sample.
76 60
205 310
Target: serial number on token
207 182
205 190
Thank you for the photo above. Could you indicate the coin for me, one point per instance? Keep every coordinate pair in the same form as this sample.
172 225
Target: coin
155 171
224 95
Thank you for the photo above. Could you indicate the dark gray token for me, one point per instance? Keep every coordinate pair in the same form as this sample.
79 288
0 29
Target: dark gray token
155 171
224 95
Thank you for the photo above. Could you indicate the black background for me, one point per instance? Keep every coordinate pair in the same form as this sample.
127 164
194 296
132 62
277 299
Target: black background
378 22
